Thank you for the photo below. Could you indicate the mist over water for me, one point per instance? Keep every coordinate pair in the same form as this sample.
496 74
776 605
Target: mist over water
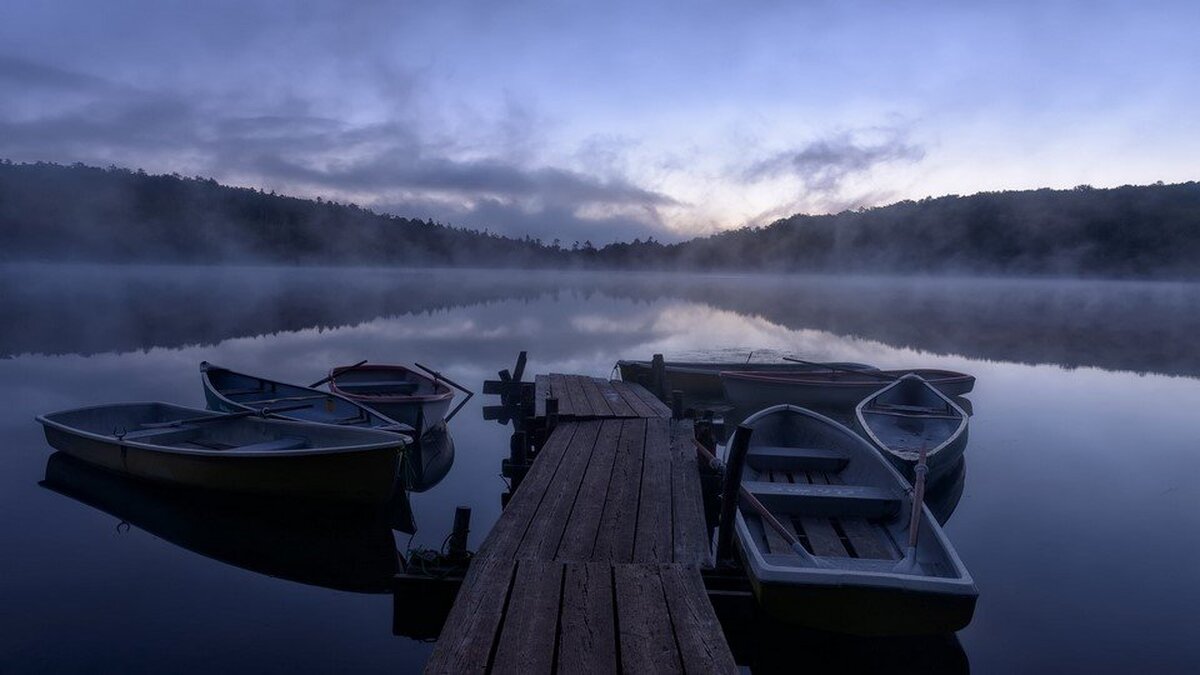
1076 519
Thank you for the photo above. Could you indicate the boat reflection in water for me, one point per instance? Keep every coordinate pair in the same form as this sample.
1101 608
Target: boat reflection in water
340 546
428 459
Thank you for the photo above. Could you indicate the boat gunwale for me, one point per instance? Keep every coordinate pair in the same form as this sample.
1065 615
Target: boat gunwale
905 456
399 443
805 378
444 393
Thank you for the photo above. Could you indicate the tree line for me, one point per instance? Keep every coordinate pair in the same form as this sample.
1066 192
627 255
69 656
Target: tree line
55 212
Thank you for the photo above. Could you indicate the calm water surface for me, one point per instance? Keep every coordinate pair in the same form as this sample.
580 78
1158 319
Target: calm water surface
1079 516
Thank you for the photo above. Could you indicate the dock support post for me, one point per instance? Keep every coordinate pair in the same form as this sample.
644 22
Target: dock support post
551 414
734 464
658 376
676 404
458 536
518 457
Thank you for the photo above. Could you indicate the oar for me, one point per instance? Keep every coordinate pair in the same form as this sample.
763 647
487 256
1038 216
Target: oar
225 416
330 376
438 376
914 523
764 513
830 366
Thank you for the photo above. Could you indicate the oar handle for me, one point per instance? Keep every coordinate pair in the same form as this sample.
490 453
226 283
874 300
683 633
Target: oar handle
914 523
330 376
830 366
438 376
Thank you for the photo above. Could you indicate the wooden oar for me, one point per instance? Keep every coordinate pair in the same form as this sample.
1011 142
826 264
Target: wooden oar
438 376
330 376
909 562
763 512
220 417
872 373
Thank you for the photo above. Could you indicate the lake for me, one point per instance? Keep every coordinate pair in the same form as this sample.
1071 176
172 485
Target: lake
1079 516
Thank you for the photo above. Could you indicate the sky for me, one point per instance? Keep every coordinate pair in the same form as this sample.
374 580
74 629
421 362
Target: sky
609 121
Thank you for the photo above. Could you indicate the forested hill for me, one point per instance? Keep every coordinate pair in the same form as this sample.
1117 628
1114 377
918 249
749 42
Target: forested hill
54 212
1129 231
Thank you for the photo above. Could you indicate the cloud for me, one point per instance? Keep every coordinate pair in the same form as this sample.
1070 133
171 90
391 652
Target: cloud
394 163
823 165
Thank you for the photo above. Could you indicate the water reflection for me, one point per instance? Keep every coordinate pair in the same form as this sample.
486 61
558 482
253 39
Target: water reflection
321 544
1144 327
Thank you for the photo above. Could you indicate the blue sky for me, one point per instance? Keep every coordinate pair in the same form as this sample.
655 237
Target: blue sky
610 120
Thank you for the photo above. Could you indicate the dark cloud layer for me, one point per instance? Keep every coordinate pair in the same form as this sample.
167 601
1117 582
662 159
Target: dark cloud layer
825 163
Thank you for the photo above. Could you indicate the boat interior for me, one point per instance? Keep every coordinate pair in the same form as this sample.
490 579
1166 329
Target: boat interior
391 381
325 408
911 413
817 482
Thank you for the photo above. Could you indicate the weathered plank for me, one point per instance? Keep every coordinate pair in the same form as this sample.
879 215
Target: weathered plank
653 538
579 537
867 539
531 616
545 530
657 407
587 638
640 408
697 631
465 645
558 390
615 401
591 391
615 538
509 530
582 407
689 534
541 392
822 538
647 641
775 541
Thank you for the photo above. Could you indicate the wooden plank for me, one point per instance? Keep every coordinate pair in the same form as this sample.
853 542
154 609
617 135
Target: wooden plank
657 407
640 408
867 539
545 532
689 531
531 619
822 538
697 631
507 533
587 636
653 538
558 390
596 400
775 541
465 645
646 640
579 537
579 400
541 392
615 538
616 402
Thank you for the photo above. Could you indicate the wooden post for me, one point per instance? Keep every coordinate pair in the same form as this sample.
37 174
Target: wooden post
518 457
734 464
658 377
676 404
551 413
462 527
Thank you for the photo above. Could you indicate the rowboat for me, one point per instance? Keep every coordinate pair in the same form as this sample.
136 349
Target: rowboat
231 452
397 392
343 546
702 380
908 415
828 389
232 391
846 508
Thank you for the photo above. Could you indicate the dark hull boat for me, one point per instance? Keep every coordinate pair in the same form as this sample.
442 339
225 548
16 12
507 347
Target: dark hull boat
187 446
398 392
231 391
346 547
848 508
702 380
828 389
909 415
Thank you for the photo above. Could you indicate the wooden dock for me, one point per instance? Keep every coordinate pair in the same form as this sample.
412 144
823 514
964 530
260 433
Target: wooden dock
594 566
